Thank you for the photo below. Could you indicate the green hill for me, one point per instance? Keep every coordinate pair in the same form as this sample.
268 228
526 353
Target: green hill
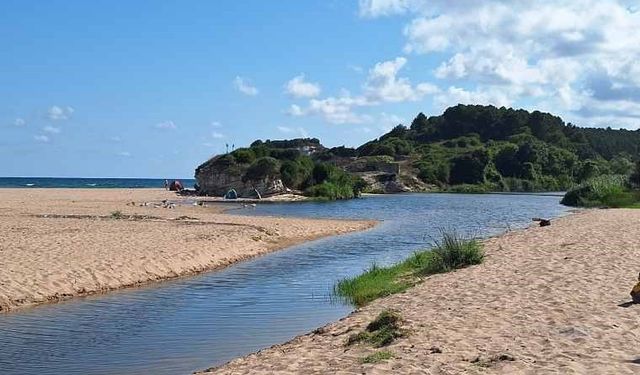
467 148
505 149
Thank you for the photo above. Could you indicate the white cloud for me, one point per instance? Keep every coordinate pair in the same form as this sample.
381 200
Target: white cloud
382 85
244 86
299 88
41 138
51 130
299 131
216 124
577 57
338 110
377 8
217 135
56 113
115 139
295 110
388 121
166 125
125 154
19 122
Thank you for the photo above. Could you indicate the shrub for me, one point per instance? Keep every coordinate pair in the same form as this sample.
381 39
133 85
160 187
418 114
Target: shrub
244 155
608 190
262 168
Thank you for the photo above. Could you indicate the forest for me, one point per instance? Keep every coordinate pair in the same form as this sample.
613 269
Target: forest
469 148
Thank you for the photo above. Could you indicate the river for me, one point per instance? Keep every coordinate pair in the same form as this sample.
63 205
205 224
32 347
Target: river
179 326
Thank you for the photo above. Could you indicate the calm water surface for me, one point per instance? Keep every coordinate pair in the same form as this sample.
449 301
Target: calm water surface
180 326
99 183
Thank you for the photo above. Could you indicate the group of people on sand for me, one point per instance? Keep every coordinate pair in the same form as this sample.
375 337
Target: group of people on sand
175 185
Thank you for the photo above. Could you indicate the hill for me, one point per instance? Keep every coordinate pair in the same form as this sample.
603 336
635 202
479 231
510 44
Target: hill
467 148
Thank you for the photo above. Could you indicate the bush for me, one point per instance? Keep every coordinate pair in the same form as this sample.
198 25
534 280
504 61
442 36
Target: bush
244 155
609 190
331 191
262 168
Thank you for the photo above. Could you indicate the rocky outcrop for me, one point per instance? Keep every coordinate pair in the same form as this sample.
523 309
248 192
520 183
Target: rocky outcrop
221 174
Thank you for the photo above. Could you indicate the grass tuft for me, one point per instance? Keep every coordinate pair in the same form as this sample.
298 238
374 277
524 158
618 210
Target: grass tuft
378 357
117 215
382 331
451 252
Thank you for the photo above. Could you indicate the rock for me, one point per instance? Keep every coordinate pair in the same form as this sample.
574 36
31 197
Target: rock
635 292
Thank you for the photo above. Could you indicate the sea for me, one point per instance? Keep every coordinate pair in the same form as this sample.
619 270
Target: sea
82 182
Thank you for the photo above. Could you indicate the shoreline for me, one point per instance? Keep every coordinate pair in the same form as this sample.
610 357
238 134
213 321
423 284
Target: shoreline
67 243
546 298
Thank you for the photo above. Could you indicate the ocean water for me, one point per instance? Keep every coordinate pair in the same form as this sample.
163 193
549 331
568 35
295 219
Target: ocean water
179 326
71 182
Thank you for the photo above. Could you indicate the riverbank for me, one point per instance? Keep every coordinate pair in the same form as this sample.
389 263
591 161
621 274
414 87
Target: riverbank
61 243
545 300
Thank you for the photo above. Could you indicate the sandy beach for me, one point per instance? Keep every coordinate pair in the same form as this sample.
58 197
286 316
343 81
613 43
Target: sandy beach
60 243
547 300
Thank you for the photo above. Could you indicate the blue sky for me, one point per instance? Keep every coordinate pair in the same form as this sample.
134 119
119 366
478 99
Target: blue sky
153 88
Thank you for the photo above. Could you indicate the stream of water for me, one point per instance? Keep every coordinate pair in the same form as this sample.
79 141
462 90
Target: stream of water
179 326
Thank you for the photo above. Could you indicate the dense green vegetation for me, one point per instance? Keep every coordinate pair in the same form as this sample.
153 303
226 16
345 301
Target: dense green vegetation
289 161
485 148
469 148
616 191
451 252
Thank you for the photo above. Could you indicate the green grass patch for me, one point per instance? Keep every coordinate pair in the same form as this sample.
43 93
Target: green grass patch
117 215
378 357
382 331
603 191
452 251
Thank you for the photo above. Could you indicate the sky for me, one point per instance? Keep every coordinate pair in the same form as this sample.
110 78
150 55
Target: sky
154 88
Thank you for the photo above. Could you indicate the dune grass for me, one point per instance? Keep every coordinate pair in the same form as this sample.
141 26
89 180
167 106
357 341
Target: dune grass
380 332
378 357
451 252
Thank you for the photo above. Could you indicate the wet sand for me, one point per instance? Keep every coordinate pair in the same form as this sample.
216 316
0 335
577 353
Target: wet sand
61 243
547 300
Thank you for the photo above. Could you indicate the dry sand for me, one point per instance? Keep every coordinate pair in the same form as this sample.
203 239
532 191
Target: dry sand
59 243
546 301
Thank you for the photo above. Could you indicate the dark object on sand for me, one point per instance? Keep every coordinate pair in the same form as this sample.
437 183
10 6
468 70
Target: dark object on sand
231 194
176 185
543 222
635 292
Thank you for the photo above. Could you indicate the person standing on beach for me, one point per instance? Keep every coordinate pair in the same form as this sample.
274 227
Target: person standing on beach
166 184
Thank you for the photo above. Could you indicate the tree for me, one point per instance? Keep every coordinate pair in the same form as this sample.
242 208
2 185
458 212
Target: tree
469 168
265 167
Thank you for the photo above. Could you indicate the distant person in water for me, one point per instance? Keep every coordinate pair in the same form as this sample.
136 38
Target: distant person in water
166 184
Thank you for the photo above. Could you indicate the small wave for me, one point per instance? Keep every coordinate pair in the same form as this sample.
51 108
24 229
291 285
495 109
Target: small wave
92 184
29 184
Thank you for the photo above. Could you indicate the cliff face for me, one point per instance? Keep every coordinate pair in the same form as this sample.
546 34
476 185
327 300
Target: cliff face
219 175
381 173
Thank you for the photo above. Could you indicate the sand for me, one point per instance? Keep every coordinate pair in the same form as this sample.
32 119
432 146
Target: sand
60 243
547 300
